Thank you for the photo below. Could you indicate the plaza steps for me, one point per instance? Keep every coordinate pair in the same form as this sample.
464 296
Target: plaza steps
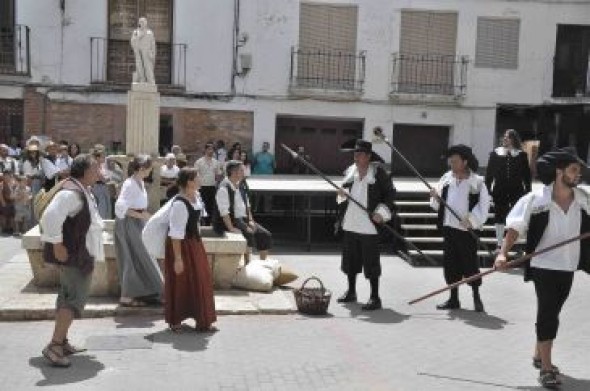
418 223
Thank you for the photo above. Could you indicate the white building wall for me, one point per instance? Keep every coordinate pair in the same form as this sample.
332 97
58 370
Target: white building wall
272 27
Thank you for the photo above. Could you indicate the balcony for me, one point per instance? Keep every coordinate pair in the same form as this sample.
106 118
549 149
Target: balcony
15 57
429 77
112 63
327 73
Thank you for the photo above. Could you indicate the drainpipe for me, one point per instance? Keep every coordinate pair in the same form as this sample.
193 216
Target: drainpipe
235 46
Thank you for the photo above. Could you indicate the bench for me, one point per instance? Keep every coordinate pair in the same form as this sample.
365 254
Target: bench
224 255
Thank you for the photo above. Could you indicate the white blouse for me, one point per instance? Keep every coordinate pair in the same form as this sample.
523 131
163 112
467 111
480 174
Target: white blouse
132 196
179 217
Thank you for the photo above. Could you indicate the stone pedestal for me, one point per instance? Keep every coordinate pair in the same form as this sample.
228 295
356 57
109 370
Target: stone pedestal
143 119
224 255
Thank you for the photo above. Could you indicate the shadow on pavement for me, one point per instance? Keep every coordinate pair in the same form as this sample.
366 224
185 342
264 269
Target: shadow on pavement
568 384
385 315
478 319
83 367
133 322
188 340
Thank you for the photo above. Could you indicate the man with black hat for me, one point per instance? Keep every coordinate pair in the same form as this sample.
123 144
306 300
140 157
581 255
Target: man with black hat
556 212
465 192
370 185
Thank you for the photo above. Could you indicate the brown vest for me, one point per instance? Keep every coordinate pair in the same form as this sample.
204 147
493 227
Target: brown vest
74 230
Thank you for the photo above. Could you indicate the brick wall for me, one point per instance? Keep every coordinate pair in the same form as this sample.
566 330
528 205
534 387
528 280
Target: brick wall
88 124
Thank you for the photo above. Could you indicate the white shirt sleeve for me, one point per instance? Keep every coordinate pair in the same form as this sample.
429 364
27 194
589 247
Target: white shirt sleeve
479 214
178 220
122 203
434 202
65 203
519 217
222 199
50 170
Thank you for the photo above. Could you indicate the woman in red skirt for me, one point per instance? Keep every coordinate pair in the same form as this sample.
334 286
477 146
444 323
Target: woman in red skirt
188 283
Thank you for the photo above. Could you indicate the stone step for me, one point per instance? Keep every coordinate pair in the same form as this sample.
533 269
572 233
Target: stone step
438 239
426 215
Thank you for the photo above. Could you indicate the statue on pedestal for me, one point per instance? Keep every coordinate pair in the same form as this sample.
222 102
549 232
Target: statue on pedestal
143 43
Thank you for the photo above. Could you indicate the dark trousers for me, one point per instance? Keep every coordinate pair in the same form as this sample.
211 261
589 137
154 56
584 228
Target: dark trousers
459 256
361 253
261 238
504 201
208 197
552 288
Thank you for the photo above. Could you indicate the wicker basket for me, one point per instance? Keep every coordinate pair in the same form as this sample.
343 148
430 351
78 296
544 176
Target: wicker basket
312 301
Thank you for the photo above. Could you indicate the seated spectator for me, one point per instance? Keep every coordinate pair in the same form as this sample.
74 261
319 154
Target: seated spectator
169 171
181 160
246 162
234 214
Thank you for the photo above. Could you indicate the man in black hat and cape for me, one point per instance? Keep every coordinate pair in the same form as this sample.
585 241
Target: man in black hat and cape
466 193
549 215
369 184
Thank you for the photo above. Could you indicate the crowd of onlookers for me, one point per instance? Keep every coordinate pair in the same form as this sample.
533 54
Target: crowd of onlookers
27 168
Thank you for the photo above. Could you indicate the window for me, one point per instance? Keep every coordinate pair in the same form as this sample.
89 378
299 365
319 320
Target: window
123 17
427 61
327 56
497 43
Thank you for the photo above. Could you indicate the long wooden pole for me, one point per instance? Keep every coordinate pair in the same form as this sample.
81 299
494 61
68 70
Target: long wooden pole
509 265
295 155
379 134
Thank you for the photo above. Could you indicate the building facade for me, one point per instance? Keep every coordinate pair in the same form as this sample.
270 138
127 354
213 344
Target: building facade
430 73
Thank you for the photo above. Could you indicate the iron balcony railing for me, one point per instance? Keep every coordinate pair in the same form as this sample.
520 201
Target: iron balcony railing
429 74
112 62
15 58
328 69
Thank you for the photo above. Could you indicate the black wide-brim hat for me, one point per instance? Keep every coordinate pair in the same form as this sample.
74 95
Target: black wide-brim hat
547 163
466 153
360 145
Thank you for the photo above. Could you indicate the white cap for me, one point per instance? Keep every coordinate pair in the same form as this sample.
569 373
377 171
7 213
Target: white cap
170 156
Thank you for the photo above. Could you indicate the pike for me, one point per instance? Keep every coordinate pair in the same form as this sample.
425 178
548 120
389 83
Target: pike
379 135
509 265
295 155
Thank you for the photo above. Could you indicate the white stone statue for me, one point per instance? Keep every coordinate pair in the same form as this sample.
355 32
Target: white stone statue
143 43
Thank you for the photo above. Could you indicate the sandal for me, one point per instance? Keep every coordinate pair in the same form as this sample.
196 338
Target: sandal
548 379
54 356
70 349
537 364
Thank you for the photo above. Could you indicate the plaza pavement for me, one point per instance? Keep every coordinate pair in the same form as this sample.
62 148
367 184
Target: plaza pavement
399 348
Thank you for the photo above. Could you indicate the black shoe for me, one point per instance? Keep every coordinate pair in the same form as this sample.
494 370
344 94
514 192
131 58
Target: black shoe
347 297
478 305
372 305
449 305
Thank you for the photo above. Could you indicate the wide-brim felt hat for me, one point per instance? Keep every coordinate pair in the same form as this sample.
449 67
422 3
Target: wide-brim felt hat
360 145
466 153
548 162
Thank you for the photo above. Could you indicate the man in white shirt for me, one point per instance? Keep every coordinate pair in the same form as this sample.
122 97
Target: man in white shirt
210 172
370 185
7 163
233 212
557 212
72 231
51 169
466 193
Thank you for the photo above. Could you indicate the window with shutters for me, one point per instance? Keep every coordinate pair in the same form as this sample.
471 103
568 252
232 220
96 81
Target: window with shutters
571 70
123 18
497 43
426 62
327 56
